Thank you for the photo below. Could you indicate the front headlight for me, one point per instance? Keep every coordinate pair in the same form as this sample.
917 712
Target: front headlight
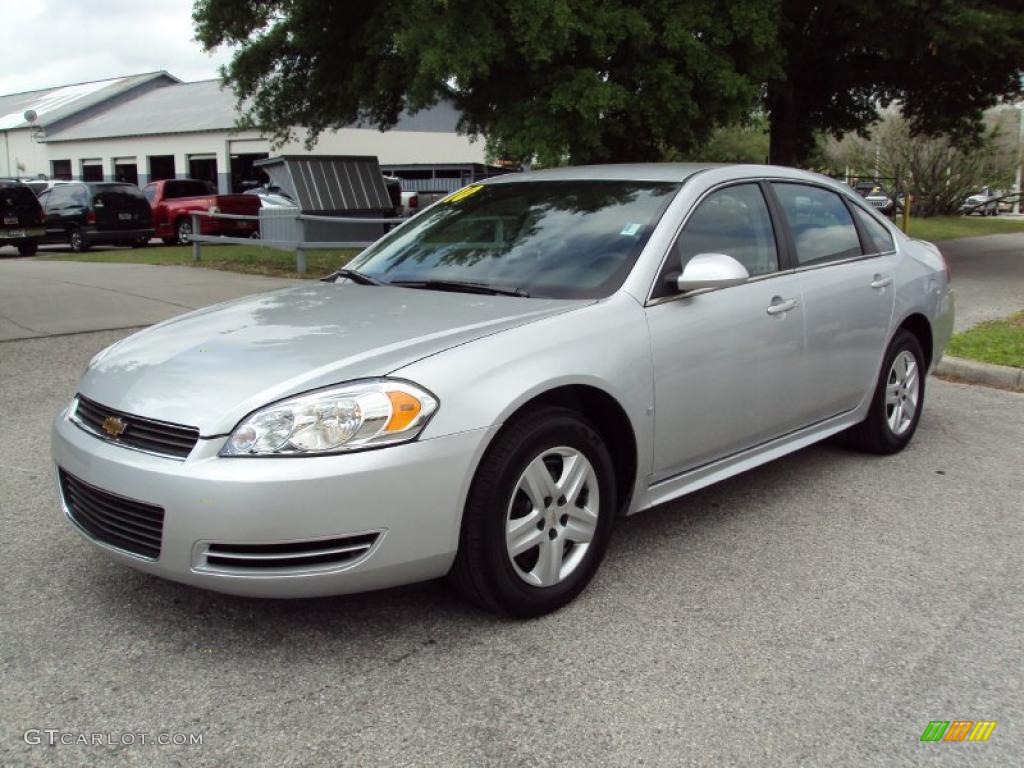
347 417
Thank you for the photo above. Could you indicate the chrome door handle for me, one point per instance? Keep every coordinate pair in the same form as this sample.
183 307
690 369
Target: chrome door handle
881 282
781 307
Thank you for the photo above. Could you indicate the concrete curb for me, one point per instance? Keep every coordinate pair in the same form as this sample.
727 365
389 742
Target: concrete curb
986 374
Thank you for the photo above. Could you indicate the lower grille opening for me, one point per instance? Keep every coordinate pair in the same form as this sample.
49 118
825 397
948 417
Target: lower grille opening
288 555
133 526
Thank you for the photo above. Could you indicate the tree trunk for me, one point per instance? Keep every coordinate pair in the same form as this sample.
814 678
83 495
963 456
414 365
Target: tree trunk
789 141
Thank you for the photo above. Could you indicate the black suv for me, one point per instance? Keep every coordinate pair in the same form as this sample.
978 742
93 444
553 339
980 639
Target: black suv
21 217
89 213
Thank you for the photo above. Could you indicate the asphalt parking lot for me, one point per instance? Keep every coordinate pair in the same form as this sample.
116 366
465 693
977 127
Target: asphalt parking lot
820 610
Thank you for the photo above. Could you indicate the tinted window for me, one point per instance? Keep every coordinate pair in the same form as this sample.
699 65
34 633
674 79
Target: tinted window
565 239
17 196
125 190
59 197
733 221
879 239
79 194
185 188
822 227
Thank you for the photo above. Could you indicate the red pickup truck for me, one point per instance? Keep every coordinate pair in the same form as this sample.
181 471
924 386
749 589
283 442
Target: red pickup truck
174 200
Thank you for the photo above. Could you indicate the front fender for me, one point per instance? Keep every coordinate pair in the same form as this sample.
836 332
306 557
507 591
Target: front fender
606 346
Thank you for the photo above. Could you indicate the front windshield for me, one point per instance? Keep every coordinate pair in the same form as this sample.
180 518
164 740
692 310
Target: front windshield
554 239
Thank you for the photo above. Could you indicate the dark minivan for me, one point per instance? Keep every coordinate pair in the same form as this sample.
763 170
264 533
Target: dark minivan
21 218
90 213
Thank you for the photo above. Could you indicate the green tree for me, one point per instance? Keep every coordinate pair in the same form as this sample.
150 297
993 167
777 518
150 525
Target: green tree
945 61
939 171
596 80
552 80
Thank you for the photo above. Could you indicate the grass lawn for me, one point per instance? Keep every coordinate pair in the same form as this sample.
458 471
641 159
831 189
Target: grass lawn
250 259
999 341
952 227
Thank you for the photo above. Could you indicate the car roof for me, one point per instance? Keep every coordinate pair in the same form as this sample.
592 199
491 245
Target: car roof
668 172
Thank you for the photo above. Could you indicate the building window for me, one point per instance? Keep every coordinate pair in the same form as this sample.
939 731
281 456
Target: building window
92 170
60 169
161 167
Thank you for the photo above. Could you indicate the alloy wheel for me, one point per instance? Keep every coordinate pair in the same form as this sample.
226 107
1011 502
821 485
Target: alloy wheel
552 516
184 233
902 392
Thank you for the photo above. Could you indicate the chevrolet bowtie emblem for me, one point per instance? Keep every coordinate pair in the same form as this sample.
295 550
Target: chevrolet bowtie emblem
114 426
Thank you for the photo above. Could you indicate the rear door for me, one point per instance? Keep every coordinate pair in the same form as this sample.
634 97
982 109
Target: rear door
19 209
120 207
845 259
726 361
58 210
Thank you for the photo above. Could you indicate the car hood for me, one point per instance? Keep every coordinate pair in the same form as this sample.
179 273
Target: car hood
211 367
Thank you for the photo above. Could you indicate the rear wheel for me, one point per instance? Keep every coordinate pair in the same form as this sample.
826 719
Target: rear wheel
898 398
538 517
183 230
28 247
77 240
142 242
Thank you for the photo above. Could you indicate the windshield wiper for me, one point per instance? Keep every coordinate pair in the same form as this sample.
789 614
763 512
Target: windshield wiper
351 274
460 286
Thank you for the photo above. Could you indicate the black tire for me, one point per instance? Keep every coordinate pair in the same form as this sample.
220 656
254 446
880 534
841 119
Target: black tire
183 232
28 247
874 434
170 240
483 571
142 242
77 240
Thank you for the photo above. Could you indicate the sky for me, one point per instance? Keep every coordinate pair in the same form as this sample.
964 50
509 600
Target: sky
58 42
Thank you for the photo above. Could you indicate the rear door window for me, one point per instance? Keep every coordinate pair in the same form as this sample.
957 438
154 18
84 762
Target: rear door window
821 224
878 238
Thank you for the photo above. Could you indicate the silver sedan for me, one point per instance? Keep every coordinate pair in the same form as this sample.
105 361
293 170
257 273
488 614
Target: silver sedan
481 393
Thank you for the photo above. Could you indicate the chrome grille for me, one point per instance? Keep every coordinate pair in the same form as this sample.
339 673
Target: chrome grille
292 555
159 437
133 526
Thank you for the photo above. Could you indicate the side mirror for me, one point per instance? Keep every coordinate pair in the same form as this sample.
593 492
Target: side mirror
709 270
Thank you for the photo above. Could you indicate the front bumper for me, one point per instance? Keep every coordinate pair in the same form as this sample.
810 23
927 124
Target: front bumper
411 494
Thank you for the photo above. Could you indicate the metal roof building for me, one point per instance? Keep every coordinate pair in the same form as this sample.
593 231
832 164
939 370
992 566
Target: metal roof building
152 126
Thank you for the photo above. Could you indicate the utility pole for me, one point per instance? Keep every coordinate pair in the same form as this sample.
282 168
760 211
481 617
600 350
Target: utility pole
1020 156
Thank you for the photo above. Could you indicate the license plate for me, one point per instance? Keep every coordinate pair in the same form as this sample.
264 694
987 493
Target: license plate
10 219
124 216
13 233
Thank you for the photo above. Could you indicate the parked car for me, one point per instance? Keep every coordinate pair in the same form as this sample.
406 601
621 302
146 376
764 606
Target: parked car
485 390
83 214
876 197
985 202
21 217
37 185
175 200
406 203
271 196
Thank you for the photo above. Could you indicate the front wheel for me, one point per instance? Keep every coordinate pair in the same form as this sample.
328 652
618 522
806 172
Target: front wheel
184 232
538 517
897 400
28 247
